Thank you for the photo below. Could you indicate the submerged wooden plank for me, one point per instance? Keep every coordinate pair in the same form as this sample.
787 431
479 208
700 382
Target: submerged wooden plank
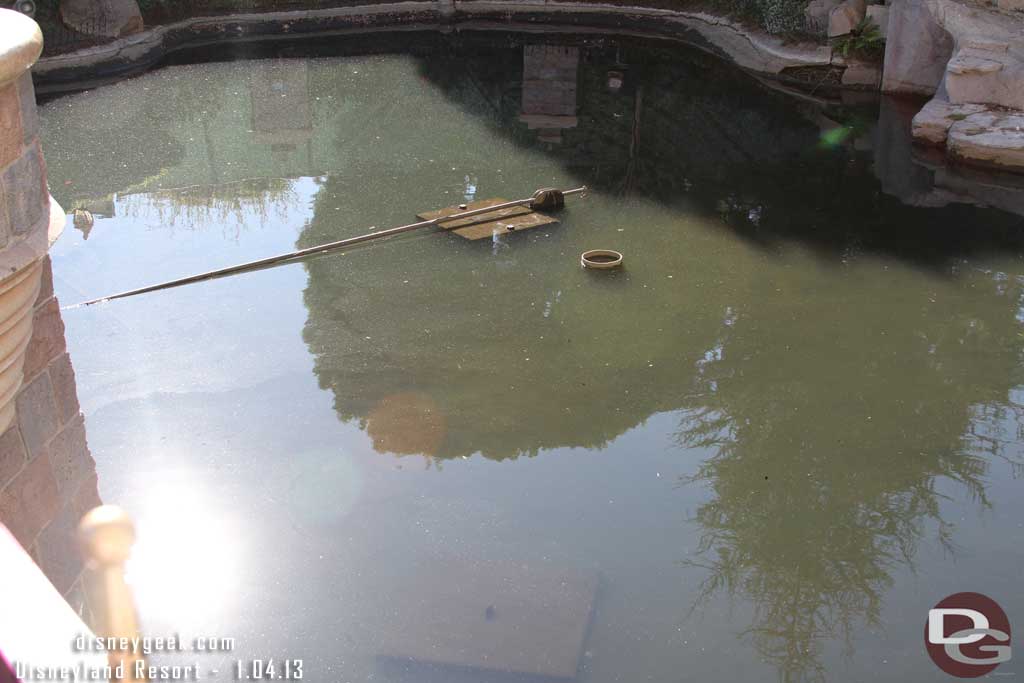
485 225
506 618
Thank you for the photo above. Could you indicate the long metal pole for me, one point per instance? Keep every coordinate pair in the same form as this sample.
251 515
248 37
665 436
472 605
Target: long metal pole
319 249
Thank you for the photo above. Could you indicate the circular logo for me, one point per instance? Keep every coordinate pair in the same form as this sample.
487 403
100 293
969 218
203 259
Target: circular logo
967 635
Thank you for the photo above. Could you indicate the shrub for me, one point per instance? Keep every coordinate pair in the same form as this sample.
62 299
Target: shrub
864 41
777 17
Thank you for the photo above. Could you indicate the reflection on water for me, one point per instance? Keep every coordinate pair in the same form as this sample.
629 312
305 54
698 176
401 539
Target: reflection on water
788 427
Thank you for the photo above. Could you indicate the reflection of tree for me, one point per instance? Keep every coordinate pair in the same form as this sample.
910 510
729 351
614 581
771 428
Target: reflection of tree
824 476
507 379
201 206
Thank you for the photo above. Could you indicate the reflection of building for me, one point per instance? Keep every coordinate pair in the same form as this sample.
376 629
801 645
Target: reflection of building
281 115
47 474
549 89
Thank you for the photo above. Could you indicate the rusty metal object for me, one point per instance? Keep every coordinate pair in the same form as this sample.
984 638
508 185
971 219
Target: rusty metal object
324 248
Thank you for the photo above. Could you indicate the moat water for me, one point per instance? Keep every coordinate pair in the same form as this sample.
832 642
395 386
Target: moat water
789 426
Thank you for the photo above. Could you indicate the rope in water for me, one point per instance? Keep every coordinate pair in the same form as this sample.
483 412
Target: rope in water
547 199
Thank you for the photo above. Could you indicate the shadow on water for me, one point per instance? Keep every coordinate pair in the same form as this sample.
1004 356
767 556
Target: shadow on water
668 124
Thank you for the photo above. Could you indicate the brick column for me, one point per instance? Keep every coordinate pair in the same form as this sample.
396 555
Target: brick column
47 475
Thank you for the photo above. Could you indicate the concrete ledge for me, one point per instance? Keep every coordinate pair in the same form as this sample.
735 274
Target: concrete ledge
750 49
989 138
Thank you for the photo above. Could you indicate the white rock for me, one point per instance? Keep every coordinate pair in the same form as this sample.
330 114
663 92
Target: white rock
845 17
880 15
990 139
987 77
931 125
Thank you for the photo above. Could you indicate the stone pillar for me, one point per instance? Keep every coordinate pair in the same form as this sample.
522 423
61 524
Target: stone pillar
25 204
47 475
917 49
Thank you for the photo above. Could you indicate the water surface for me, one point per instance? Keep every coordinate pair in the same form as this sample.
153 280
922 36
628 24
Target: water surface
784 431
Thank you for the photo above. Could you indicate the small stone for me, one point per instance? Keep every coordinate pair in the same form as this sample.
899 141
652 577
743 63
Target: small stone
107 18
27 100
37 414
845 17
47 341
45 282
12 455
30 502
24 184
62 376
816 15
70 458
879 15
862 74
11 136
57 549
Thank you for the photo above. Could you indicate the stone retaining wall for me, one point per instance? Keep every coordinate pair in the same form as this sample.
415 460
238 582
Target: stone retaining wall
749 48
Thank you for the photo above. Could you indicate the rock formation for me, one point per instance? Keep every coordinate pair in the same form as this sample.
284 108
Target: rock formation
970 57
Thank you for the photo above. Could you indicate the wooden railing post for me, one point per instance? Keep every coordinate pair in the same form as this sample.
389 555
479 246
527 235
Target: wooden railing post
106 535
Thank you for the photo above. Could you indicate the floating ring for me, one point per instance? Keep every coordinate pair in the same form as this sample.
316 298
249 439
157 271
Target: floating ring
601 259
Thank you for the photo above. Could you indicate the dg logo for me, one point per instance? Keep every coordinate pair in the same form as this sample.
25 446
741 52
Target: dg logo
967 635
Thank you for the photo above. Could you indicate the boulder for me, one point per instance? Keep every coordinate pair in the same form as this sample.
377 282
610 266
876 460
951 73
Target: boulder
816 15
1011 5
844 17
106 18
989 138
931 125
916 50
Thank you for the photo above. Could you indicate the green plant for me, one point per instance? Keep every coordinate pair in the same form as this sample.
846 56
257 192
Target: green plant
865 41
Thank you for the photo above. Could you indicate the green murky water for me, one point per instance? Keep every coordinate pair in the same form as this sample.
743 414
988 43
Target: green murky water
785 430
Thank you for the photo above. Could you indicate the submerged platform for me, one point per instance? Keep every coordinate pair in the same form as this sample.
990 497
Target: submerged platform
501 221
503 618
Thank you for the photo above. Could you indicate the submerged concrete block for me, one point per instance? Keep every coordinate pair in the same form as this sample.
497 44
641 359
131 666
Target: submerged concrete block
862 74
